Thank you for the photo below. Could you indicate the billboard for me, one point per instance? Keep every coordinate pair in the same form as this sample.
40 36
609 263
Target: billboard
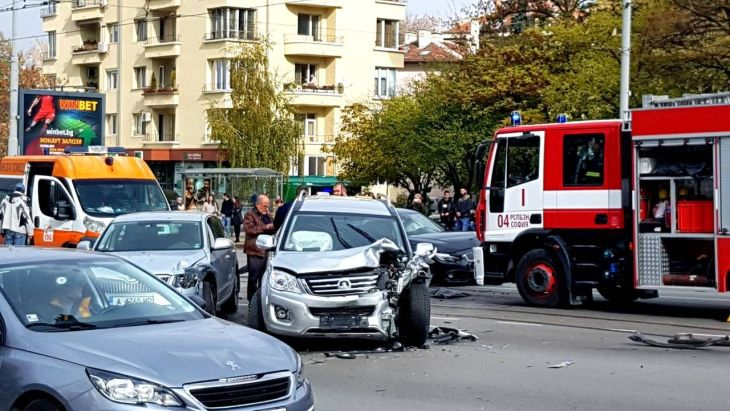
52 121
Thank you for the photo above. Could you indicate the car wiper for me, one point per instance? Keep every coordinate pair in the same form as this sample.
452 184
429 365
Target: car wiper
337 233
145 322
64 325
362 233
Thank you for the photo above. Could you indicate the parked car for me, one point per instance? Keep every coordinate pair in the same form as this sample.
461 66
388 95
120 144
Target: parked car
189 251
343 267
454 262
86 331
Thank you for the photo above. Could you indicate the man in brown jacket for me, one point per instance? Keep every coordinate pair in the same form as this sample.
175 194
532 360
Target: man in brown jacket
256 221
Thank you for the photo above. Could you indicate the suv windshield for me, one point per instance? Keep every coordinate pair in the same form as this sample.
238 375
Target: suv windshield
417 223
72 295
315 232
110 198
151 236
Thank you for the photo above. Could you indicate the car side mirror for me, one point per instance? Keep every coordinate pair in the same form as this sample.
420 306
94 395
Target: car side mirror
84 245
424 249
265 242
64 211
222 244
199 301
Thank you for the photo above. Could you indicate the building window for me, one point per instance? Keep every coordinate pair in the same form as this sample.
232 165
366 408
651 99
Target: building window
309 127
583 160
140 77
220 72
52 44
232 23
114 33
386 33
317 166
111 124
384 82
309 26
141 30
140 125
112 79
305 73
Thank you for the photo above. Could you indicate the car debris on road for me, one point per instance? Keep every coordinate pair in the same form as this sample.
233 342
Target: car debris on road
447 294
683 341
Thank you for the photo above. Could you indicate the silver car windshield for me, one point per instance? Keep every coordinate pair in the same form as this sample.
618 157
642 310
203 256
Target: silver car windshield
72 295
316 232
152 236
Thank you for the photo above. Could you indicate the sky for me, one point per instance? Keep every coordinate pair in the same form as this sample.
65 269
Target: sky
29 21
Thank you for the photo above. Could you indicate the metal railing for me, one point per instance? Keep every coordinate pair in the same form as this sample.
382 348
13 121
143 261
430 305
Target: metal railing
168 38
85 48
49 10
75 4
312 88
159 89
161 137
232 35
330 37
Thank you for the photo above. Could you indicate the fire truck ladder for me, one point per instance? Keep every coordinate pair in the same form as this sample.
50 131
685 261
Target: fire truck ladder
652 101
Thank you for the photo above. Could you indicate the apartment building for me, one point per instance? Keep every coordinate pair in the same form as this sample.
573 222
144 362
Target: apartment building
163 63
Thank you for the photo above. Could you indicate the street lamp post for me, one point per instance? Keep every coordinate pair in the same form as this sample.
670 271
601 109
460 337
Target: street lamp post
625 93
13 115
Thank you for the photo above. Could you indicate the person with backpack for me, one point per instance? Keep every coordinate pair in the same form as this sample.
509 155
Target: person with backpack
16 222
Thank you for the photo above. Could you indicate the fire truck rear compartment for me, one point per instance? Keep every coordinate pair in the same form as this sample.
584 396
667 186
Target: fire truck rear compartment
675 213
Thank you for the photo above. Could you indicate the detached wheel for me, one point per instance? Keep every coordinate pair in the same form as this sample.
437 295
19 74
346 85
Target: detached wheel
539 279
42 405
414 317
209 298
231 304
256 313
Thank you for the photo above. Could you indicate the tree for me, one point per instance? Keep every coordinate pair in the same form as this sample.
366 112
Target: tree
260 130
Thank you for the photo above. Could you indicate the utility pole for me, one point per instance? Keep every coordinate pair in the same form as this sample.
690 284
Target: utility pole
625 61
13 115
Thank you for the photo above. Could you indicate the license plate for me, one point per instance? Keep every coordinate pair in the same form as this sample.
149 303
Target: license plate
130 299
342 321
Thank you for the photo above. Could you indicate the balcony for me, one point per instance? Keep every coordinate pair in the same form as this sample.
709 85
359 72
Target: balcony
87 9
162 138
162 47
324 4
49 10
315 96
164 5
231 35
90 52
318 45
161 97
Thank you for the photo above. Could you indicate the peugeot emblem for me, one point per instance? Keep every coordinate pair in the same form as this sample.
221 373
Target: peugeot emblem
233 365
344 285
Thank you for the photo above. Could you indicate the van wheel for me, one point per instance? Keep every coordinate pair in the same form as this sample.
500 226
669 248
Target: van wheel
539 279
255 313
231 304
42 405
414 317
209 298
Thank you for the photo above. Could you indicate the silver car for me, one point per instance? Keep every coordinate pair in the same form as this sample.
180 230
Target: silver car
75 335
189 251
343 267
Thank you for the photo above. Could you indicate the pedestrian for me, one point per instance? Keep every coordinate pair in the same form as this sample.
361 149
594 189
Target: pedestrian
16 224
237 218
283 210
446 210
227 213
417 205
179 205
204 192
210 206
464 211
339 190
257 221
189 196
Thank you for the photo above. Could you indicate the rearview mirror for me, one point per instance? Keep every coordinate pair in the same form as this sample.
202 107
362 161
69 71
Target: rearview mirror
424 249
84 245
222 244
265 242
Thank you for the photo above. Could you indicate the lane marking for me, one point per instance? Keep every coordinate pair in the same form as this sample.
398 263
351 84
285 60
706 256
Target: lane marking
519 323
444 318
621 330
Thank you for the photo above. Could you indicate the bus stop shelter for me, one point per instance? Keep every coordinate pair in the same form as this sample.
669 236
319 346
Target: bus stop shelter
244 183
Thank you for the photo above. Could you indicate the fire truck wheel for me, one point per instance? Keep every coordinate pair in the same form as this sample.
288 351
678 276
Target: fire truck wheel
617 295
538 279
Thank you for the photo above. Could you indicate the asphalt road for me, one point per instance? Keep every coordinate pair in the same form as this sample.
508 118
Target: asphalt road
507 368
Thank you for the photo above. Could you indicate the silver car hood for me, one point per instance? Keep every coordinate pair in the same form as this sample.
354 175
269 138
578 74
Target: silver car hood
161 262
341 260
170 354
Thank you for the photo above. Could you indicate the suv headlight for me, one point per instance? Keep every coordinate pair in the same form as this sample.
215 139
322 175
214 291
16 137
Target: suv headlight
300 371
128 390
95 226
279 280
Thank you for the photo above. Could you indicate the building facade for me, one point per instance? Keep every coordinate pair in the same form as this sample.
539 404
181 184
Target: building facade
163 63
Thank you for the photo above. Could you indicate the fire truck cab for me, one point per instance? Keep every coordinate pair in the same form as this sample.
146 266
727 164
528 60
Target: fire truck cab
624 207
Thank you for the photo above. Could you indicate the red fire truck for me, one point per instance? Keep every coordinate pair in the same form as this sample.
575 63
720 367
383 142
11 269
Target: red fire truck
625 207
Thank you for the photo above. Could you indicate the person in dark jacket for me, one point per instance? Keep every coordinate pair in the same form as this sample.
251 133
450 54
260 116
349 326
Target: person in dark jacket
417 205
227 213
464 211
446 210
257 221
237 218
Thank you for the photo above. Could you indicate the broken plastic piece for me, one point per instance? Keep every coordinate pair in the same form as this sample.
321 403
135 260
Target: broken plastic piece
561 365
682 341
447 294
445 335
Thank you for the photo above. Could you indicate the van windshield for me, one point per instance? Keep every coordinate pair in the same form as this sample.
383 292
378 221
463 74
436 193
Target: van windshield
110 198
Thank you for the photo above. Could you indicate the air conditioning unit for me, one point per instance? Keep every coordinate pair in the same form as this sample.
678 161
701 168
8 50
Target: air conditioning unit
103 47
146 116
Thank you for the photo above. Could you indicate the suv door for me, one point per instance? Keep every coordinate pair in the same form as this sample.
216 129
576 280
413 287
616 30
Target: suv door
223 261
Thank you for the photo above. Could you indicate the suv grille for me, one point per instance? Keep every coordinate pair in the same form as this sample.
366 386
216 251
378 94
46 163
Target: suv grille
243 394
341 285
364 311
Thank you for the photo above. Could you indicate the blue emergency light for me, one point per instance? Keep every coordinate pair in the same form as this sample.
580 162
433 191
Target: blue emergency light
562 118
516 118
